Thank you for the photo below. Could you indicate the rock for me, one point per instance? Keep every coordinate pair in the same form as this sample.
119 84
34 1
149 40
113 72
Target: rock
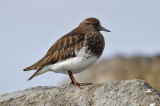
119 93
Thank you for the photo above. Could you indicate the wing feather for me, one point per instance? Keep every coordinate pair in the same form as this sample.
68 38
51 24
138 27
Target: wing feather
63 49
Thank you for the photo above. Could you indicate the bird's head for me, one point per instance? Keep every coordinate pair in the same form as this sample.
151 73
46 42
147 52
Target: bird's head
92 24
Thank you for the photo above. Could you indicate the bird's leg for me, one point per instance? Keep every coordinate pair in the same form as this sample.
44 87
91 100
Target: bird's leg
74 82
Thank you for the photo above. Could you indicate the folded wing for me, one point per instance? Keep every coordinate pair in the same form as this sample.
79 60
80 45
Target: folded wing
63 49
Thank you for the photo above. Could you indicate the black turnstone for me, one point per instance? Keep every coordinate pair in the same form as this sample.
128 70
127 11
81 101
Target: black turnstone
74 52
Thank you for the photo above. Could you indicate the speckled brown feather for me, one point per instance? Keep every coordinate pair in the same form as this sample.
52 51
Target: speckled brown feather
95 43
63 49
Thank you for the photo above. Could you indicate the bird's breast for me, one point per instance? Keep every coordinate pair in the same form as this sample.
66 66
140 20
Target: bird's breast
95 44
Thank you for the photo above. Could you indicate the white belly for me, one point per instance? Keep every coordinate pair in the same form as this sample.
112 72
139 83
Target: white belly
75 65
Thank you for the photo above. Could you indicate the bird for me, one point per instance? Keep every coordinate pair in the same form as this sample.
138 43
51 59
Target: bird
73 52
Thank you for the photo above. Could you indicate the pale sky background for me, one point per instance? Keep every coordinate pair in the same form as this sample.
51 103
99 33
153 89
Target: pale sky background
28 28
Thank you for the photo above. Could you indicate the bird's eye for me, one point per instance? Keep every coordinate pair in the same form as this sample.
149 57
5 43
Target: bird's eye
93 24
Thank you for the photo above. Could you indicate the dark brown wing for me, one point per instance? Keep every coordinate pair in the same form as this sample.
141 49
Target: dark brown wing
63 49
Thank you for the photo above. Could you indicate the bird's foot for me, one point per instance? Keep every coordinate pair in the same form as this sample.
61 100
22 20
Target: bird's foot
80 84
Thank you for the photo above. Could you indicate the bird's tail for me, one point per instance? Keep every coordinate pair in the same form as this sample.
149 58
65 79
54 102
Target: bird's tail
35 74
32 67
29 68
39 71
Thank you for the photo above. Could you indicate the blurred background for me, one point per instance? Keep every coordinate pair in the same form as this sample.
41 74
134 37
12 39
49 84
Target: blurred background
28 28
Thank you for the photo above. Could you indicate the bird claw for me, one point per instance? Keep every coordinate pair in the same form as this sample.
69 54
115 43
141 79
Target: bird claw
80 84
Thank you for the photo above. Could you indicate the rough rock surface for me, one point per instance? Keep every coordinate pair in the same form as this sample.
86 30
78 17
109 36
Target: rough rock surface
117 93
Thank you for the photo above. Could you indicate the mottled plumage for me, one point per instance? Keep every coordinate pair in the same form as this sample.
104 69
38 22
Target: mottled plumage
86 36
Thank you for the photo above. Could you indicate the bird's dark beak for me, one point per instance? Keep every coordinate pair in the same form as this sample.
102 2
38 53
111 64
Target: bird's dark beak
104 29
